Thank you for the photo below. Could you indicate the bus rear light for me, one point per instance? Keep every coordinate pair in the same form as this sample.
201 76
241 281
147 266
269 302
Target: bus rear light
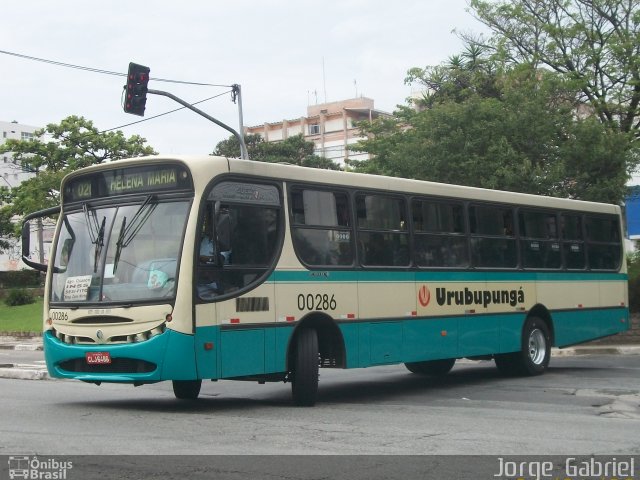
234 320
208 346
290 318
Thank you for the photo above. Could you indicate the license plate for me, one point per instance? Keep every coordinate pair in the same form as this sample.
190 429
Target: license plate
98 358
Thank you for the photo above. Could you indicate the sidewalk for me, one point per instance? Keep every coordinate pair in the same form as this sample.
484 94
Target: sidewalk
11 365
22 358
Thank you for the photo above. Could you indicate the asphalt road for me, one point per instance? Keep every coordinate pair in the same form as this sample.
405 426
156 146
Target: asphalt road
583 405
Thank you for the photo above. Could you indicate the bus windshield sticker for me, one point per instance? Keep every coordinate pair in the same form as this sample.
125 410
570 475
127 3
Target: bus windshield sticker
77 288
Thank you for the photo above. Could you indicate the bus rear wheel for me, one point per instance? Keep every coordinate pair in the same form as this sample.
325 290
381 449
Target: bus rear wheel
305 368
535 353
434 368
187 389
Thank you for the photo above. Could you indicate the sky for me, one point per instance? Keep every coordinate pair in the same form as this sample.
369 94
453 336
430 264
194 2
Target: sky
285 55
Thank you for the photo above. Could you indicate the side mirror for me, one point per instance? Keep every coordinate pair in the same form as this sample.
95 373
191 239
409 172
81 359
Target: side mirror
26 239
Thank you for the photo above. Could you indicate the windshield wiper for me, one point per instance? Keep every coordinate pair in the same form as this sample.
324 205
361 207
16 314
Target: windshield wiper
96 233
99 245
119 244
130 230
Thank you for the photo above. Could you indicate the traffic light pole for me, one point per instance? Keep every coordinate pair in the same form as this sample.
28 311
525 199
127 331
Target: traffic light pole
243 148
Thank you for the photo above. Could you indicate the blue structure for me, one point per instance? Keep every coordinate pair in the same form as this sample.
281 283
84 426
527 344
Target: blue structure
633 212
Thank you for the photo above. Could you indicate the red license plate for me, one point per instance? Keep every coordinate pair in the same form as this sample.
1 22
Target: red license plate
98 358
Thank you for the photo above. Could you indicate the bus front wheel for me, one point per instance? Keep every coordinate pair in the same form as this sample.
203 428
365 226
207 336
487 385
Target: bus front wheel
435 368
535 353
305 368
186 389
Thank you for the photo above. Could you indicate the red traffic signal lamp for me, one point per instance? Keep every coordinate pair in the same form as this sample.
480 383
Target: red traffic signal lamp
136 89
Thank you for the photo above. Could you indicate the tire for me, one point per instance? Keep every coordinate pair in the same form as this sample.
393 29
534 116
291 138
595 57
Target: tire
434 368
535 353
187 389
305 368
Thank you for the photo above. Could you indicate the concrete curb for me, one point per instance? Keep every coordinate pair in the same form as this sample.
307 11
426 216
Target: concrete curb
596 350
23 372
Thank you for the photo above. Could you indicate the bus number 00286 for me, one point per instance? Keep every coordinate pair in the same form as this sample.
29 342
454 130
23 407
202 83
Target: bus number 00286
316 302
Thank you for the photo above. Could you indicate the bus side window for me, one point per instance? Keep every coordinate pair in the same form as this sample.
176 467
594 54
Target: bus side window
383 231
493 244
604 249
321 227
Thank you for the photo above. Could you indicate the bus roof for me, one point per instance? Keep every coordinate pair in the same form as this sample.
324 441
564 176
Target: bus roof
205 167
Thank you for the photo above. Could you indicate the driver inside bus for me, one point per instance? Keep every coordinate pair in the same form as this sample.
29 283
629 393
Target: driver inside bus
208 248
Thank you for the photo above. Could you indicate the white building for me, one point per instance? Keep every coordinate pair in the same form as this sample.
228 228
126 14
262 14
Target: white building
330 126
12 175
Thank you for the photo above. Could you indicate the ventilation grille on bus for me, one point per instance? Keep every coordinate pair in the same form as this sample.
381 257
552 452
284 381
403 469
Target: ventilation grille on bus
117 365
252 304
101 320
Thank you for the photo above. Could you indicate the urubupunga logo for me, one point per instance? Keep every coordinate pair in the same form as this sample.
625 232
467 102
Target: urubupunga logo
479 297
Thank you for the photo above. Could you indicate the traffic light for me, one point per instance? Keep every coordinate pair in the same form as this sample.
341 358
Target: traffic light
136 89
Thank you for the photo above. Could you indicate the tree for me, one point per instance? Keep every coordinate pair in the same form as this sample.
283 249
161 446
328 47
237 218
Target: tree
52 153
231 147
295 150
595 43
522 135
461 77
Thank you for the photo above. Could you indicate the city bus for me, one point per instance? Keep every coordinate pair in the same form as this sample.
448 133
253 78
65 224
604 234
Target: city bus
207 268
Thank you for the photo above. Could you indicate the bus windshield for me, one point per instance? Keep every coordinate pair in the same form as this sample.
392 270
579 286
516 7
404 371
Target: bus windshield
127 253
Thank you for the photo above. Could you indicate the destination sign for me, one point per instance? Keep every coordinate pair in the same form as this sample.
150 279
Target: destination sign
136 180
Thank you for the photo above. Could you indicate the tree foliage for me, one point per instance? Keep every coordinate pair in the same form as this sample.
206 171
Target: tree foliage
512 129
549 104
52 153
295 150
595 43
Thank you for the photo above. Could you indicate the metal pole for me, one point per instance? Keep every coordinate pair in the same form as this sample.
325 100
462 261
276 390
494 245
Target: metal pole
243 148
200 112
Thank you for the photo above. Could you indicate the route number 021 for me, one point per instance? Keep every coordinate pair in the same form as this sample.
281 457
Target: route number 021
316 302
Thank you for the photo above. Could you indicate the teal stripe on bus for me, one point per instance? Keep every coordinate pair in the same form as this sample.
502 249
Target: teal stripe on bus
288 276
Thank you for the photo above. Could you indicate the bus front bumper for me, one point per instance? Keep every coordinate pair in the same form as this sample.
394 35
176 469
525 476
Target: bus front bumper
168 356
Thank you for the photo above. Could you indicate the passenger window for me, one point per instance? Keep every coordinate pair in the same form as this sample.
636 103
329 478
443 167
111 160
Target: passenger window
604 249
439 237
493 243
321 227
539 242
383 238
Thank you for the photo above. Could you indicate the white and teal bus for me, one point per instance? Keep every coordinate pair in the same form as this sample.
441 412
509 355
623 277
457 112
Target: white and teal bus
188 269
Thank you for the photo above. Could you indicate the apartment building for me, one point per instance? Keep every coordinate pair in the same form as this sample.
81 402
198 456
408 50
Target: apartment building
11 173
330 126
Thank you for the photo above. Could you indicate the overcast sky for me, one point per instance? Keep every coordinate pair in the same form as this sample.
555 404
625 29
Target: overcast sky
274 50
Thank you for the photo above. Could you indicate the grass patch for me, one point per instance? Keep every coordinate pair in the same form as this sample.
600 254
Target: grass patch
23 318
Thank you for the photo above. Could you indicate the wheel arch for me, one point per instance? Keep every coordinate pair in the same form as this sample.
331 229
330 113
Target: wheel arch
330 340
543 313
